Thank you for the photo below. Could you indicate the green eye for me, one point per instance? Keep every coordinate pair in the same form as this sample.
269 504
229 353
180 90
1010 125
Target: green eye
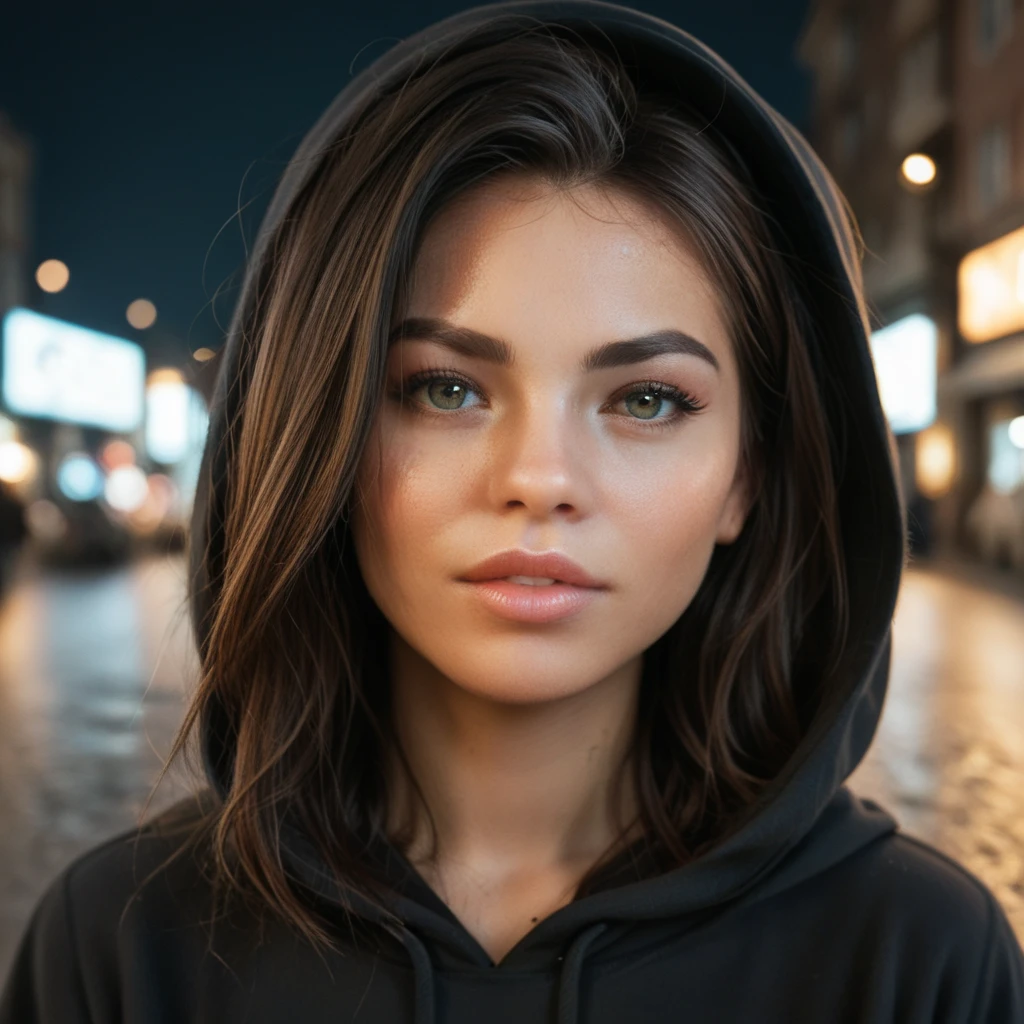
449 396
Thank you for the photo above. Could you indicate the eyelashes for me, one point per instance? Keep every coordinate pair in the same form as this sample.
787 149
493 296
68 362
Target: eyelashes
685 403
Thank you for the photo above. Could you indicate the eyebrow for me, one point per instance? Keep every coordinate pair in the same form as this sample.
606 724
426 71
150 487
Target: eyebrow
476 344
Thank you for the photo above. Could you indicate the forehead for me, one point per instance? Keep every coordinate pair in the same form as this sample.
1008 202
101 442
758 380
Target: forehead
520 259
509 217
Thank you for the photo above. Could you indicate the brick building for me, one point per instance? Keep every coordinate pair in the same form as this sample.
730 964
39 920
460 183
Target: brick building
942 80
15 172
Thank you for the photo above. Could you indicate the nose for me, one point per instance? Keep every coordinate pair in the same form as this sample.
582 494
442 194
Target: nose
540 460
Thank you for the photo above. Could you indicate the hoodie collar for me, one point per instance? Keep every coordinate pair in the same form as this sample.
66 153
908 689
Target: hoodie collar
434 939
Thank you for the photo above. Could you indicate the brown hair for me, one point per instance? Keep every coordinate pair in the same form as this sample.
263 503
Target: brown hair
294 652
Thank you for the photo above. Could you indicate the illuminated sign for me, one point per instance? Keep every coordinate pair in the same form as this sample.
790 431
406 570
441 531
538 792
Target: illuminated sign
991 287
905 354
176 421
61 371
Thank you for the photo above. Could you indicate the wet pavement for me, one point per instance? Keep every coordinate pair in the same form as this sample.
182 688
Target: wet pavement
94 668
93 672
948 757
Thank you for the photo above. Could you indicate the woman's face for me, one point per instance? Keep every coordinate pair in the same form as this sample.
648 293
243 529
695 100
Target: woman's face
543 454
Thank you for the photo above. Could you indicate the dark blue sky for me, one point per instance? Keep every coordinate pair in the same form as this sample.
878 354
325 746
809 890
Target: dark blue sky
151 127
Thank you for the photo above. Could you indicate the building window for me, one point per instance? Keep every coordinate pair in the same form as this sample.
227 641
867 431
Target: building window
913 12
994 167
1005 458
994 24
850 131
919 69
847 45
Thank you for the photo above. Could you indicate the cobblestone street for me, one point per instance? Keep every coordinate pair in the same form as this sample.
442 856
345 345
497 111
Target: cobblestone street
93 669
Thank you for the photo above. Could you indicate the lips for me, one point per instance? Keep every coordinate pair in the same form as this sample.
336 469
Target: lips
537 605
550 565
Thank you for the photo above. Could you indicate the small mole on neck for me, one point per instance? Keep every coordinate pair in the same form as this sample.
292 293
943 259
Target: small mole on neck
533 919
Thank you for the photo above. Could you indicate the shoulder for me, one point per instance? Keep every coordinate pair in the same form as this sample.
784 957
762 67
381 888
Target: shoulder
167 851
154 873
125 857
119 895
934 891
938 918
896 890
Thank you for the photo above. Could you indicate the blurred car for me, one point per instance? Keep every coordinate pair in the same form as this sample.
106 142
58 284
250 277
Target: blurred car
88 536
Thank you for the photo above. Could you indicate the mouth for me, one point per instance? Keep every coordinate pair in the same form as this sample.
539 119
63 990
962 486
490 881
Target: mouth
533 599
530 581
549 568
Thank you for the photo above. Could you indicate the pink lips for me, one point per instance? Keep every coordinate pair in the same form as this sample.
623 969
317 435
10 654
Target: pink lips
521 602
550 564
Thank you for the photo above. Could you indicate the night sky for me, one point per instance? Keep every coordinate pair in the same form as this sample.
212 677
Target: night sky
152 127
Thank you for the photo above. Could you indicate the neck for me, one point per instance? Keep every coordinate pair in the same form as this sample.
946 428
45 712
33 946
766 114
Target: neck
543 787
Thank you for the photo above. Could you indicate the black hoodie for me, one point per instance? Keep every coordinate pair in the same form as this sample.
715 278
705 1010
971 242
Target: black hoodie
817 910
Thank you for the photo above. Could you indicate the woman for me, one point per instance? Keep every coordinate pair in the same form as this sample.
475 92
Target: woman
547 294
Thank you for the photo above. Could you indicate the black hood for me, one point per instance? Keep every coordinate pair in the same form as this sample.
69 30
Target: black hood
807 820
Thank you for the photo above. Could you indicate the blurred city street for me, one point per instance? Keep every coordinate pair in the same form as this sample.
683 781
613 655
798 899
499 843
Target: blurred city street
94 667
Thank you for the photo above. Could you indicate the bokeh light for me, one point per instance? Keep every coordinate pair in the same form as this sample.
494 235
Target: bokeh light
126 488
79 478
158 501
45 520
17 462
1016 432
52 275
935 460
919 169
141 314
117 453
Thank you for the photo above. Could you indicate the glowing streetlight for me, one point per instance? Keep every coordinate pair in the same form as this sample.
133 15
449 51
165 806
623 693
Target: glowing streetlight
141 314
919 169
52 275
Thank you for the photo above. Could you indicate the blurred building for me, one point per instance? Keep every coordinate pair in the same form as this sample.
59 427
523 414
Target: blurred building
941 81
104 456
15 171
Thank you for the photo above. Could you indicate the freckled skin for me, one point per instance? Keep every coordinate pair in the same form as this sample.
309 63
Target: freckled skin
512 728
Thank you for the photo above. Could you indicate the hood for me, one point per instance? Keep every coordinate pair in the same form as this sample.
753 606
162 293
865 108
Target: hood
807 820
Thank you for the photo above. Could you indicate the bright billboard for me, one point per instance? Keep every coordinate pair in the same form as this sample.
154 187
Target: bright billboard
905 354
991 289
61 371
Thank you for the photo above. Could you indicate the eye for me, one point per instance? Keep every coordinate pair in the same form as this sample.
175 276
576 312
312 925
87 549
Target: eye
453 387
450 394
654 393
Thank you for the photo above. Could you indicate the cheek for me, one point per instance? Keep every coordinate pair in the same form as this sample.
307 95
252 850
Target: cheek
407 494
668 513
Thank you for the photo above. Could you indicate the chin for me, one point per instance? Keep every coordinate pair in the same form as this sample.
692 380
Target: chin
522 686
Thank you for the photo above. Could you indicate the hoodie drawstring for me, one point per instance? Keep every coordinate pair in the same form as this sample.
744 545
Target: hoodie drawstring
424 974
568 988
